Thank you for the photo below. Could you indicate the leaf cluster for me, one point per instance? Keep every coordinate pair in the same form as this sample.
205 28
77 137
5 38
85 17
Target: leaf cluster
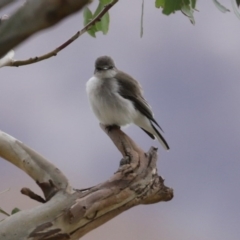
171 6
187 7
103 24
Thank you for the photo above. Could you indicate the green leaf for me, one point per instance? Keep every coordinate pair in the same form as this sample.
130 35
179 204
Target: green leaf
220 7
88 16
3 212
105 2
193 3
103 24
92 31
171 6
98 25
99 9
188 11
159 3
15 210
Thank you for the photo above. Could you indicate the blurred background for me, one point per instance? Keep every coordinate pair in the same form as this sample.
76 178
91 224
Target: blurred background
191 78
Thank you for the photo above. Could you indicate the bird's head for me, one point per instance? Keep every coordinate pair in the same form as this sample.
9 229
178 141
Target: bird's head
104 63
105 67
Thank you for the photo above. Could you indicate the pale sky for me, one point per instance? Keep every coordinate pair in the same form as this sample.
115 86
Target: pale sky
191 78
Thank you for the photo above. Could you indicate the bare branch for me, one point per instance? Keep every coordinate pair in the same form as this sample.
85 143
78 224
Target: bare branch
124 143
70 215
48 177
65 44
32 195
34 16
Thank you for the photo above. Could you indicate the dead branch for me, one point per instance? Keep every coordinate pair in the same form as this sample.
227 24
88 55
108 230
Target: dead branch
70 214
34 16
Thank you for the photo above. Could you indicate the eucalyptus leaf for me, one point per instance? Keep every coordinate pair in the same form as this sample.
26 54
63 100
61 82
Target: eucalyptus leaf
105 23
99 9
88 16
171 6
98 25
193 3
220 7
15 210
188 11
92 31
105 2
159 3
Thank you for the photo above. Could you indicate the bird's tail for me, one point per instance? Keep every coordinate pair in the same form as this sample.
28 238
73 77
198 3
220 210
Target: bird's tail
160 138
147 126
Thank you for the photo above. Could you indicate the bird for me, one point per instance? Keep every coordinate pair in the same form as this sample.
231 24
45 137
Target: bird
117 99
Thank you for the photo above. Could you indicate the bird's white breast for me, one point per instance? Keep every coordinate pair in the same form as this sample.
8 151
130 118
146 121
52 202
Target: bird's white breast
108 106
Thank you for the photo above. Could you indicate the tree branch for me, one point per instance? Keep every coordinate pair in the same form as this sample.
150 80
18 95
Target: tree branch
65 44
34 16
70 215
47 176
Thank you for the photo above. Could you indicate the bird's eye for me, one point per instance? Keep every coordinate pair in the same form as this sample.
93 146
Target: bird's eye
110 67
98 68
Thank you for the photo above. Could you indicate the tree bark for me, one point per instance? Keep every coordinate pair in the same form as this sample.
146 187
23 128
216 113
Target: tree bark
68 213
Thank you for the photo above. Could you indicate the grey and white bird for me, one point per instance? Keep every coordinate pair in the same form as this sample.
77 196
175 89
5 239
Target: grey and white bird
117 99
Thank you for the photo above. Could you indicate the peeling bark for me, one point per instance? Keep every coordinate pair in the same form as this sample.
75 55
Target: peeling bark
70 213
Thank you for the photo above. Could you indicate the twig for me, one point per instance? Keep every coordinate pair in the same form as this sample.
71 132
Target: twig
32 195
65 44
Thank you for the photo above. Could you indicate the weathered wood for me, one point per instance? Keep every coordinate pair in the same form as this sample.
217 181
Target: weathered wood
70 214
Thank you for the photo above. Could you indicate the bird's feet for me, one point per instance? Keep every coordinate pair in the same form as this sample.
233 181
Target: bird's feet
125 160
109 128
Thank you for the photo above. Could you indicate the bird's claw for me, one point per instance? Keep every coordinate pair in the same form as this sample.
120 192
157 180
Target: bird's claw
109 128
125 160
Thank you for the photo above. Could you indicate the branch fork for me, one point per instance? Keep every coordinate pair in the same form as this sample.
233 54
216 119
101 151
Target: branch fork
68 213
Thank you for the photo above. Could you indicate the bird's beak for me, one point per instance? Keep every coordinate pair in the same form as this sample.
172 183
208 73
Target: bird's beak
105 68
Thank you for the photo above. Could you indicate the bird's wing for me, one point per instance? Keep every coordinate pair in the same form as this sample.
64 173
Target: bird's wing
132 90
